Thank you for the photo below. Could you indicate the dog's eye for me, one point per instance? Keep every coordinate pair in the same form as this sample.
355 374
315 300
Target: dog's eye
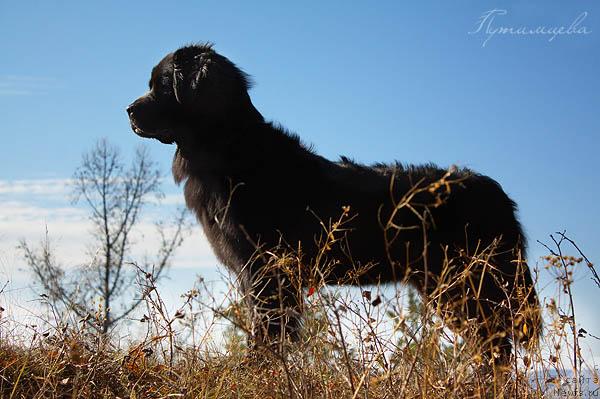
150 84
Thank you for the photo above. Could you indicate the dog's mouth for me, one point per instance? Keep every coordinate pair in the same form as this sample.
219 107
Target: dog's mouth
162 135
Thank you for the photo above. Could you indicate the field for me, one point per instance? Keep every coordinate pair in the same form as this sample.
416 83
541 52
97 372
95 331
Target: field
361 343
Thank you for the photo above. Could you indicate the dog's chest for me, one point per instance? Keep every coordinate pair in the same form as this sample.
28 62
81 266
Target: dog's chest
211 200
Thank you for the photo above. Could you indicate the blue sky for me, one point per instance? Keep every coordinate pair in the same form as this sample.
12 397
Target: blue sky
377 81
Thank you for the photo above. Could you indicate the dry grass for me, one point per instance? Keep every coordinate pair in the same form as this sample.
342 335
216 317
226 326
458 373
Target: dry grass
352 347
367 342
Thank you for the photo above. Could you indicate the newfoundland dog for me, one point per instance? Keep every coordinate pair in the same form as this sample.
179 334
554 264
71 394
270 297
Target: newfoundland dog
258 191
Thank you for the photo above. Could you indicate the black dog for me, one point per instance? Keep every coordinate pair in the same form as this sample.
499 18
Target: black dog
255 187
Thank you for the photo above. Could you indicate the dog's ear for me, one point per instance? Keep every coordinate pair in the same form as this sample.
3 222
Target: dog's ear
207 82
189 68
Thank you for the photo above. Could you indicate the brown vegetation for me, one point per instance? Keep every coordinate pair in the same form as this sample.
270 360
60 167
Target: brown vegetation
358 344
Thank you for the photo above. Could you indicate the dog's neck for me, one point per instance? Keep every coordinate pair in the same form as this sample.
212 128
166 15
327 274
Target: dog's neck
235 150
204 147
238 142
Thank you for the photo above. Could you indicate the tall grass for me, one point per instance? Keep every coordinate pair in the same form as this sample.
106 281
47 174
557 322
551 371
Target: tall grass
364 342
355 344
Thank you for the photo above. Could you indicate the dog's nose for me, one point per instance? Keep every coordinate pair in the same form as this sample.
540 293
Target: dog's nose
130 109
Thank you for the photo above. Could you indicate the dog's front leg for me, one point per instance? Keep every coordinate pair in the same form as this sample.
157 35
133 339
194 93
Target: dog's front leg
276 310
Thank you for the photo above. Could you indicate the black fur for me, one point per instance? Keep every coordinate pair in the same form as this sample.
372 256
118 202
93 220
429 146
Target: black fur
253 184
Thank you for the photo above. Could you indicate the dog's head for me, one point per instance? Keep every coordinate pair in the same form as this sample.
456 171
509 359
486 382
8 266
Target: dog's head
188 88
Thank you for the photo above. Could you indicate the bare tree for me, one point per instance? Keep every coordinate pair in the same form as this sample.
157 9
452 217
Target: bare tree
115 196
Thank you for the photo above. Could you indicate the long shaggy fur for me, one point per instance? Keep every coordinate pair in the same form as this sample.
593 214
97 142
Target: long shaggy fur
254 186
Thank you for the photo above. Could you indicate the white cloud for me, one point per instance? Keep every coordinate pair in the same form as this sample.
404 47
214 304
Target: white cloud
19 211
69 227
61 190
35 186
